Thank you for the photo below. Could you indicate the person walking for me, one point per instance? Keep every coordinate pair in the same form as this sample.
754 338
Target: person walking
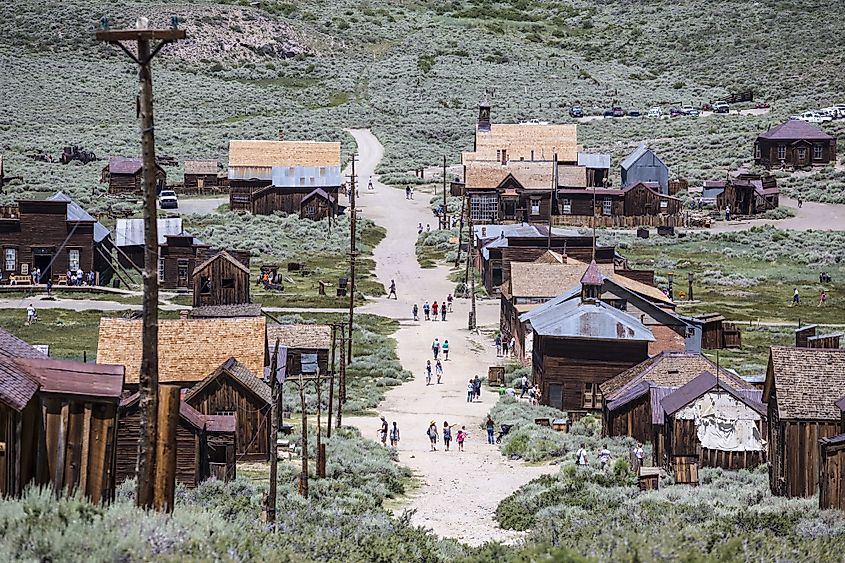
407 192
434 308
639 457
428 372
604 456
370 184
498 345
438 369
449 300
426 309
435 348
470 391
419 229
523 384
443 313
31 315
447 435
796 298
822 298
476 383
392 290
412 195
800 203
581 456
727 213
491 427
394 435
416 312
462 436
505 347
512 346
432 435
445 349
382 433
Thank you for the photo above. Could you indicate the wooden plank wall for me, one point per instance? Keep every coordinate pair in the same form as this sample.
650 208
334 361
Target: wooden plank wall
633 420
621 221
801 454
832 476
216 272
8 438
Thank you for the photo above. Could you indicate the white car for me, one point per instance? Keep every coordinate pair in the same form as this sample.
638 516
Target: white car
721 107
812 117
655 113
167 200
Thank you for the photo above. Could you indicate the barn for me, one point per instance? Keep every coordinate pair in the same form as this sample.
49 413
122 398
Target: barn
221 279
801 391
126 175
643 165
235 391
201 175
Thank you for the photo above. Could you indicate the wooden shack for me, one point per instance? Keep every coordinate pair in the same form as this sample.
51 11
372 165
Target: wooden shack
177 255
632 399
177 258
194 442
201 175
717 333
57 421
794 144
126 175
806 337
188 349
710 423
234 390
317 205
308 346
802 387
221 280
832 467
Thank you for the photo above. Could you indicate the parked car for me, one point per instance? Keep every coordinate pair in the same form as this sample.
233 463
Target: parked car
831 112
655 112
840 110
167 200
576 111
721 107
676 112
690 111
634 113
618 111
811 117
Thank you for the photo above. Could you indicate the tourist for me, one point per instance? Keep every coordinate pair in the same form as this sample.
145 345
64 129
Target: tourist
407 192
581 456
370 183
419 229
476 383
822 298
382 433
443 313
727 213
428 227
449 302
532 395
505 347
49 286
428 372
447 435
438 369
78 276
31 315
604 456
639 457
523 384
416 311
498 345
426 309
796 298
445 349
491 427
435 348
470 391
394 435
412 192
462 436
432 435
434 308
800 202
512 346
92 278
392 290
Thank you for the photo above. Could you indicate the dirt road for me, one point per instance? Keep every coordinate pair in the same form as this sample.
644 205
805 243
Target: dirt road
460 490
811 215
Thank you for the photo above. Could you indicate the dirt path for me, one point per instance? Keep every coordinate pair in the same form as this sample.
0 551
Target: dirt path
811 215
460 490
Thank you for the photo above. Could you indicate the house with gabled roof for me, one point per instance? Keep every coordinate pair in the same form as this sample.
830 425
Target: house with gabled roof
306 346
794 144
221 279
801 391
126 175
202 175
643 165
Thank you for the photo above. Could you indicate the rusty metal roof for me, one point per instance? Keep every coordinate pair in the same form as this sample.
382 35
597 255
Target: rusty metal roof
125 165
592 276
98 382
589 320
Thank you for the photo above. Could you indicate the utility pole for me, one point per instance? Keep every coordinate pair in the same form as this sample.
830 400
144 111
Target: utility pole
353 252
303 477
321 451
148 377
445 202
331 380
460 231
275 387
552 198
470 275
341 383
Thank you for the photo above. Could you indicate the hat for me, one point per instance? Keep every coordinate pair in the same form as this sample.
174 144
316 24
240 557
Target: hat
432 422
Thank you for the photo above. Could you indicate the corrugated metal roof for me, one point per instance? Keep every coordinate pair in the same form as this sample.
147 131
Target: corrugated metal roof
76 213
589 320
130 232
634 157
593 160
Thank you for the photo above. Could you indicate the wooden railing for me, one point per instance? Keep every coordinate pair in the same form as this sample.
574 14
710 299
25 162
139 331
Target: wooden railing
621 221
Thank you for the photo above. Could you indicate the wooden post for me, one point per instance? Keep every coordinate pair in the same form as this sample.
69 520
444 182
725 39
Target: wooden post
148 376
331 380
689 283
275 387
353 251
165 447
461 229
341 384
319 428
303 476
445 217
552 198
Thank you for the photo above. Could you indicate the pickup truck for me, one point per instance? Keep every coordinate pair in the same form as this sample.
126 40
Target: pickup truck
721 107
167 200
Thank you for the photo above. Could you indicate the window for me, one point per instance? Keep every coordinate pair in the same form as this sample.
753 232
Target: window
11 259
161 269
818 152
73 259
484 207
592 396
781 152
567 207
504 156
225 413
228 283
535 207
322 171
498 154
802 154
205 285
757 150
606 206
664 204
555 398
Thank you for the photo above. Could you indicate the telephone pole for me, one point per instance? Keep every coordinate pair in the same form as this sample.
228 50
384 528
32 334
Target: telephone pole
460 231
147 49
552 198
275 389
341 383
353 252
331 380
445 202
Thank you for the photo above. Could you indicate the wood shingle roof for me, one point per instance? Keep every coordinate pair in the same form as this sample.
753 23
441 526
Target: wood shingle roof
239 373
807 382
266 154
304 336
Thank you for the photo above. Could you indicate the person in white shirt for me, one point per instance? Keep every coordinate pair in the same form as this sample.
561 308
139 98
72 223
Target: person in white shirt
581 456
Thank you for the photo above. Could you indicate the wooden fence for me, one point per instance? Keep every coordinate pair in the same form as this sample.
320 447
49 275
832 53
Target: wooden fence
621 221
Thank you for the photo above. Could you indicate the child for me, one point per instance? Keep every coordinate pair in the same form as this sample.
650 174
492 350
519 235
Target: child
470 391
604 456
432 435
438 368
428 372
447 435
394 435
462 435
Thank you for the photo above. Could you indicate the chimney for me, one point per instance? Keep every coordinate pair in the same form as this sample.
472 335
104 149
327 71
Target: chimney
281 134
591 283
483 232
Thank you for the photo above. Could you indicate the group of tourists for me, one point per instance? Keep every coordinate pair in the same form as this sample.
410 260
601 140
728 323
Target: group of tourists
434 311
437 347
637 456
505 347
434 435
474 389
392 432
438 370
409 192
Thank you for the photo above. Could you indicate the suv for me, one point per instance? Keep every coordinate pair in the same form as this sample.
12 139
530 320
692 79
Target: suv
721 107
576 111
655 112
167 200
617 111
690 111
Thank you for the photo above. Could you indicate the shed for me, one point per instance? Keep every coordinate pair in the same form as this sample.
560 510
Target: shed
201 175
641 198
303 342
188 350
643 165
235 391
717 333
126 175
220 280
832 471
317 205
801 390
794 144
598 168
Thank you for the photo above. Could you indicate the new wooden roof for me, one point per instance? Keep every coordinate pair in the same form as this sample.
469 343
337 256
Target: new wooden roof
490 174
537 279
188 349
201 167
528 141
305 336
807 382
266 154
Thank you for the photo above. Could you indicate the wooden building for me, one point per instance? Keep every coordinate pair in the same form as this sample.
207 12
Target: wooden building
275 176
126 175
57 421
317 205
744 193
205 445
717 333
806 337
221 280
188 349
802 387
597 167
643 166
202 175
794 144
307 345
832 467
177 258
634 200
581 343
710 423
235 391
632 399
53 235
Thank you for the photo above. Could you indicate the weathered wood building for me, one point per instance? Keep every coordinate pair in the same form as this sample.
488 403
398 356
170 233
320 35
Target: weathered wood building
307 346
717 333
202 175
270 176
802 387
189 349
832 467
126 175
632 399
235 391
643 166
57 421
634 200
205 445
744 193
221 279
318 205
53 235
794 144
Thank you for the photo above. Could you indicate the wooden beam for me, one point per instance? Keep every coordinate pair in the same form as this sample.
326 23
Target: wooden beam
112 36
165 447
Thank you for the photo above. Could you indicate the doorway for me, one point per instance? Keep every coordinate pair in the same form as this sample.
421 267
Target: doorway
42 262
182 271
